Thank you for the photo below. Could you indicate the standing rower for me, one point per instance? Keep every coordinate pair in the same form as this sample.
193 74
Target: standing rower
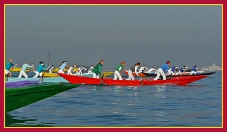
62 67
117 72
194 69
161 71
23 69
9 64
69 71
41 69
97 71
133 69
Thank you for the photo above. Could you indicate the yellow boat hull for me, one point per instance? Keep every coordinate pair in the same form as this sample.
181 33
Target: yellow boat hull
46 74
17 69
55 70
107 73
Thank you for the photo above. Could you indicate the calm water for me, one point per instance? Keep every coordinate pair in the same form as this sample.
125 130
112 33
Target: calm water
197 104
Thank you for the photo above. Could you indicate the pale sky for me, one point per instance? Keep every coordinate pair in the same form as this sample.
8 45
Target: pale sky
151 35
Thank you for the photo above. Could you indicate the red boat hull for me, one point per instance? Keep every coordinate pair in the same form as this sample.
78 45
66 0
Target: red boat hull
181 80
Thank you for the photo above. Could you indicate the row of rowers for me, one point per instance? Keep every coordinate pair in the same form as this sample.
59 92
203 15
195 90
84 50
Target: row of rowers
97 69
42 68
162 71
134 69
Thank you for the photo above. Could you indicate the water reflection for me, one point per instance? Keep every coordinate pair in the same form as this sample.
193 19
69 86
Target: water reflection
132 98
160 91
126 100
160 115
15 121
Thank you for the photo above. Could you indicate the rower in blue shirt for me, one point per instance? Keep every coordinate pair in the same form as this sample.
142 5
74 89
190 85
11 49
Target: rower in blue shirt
41 69
162 70
9 64
183 69
171 70
194 69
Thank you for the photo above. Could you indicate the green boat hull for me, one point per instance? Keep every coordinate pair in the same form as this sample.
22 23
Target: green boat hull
19 97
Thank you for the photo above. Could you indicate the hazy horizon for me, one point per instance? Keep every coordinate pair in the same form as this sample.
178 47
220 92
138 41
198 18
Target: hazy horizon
83 35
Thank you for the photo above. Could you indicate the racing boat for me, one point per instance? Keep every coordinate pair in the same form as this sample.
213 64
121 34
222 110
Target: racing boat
180 80
19 97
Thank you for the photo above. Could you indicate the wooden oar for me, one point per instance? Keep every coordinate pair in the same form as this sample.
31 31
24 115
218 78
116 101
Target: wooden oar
49 59
46 68
101 78
33 68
